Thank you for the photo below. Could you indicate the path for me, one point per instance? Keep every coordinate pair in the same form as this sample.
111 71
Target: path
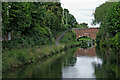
60 36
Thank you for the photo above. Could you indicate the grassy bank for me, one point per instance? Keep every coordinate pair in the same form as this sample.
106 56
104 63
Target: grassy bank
18 57
41 66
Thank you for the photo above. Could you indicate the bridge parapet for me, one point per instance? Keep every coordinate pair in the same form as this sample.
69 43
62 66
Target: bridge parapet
91 32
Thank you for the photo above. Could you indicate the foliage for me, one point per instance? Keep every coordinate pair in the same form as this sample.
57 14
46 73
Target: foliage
108 34
82 25
115 42
17 17
113 20
68 37
101 12
33 23
85 42
85 38
69 19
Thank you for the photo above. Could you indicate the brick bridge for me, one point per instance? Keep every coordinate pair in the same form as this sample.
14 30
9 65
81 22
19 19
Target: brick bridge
89 32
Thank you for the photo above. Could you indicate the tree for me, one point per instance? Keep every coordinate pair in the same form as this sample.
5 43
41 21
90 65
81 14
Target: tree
101 12
82 25
18 17
113 19
69 19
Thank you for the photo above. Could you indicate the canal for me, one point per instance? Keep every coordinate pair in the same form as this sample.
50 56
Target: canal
72 63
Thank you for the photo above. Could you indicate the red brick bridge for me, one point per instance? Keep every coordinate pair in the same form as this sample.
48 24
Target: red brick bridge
89 32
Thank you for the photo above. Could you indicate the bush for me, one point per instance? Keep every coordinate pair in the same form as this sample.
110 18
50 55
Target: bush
115 42
68 37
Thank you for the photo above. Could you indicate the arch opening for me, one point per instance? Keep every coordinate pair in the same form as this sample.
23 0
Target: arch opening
86 38
85 41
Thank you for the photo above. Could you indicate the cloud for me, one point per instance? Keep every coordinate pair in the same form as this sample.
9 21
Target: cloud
82 9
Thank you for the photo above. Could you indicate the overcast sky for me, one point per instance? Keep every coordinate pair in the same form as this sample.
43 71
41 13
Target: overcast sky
82 9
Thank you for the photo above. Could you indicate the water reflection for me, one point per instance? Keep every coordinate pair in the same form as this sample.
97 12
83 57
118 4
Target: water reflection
110 66
82 69
72 63
84 66
86 51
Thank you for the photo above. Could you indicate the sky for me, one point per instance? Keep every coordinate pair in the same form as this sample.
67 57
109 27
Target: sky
82 10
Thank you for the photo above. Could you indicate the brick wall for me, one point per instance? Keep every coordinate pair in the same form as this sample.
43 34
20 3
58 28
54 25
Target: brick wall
91 32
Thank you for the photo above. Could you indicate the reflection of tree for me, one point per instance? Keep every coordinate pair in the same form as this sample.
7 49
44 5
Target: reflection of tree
50 68
69 59
109 68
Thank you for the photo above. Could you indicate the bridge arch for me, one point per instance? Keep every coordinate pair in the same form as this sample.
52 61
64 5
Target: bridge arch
90 32
83 37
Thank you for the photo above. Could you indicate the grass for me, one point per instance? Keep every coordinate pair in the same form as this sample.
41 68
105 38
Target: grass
18 57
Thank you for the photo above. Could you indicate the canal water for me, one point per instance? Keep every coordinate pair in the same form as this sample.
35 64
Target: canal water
72 63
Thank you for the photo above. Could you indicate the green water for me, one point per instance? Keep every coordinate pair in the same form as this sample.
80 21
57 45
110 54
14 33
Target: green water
111 63
72 63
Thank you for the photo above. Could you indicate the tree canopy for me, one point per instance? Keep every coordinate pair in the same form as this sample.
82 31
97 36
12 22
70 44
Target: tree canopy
35 23
110 24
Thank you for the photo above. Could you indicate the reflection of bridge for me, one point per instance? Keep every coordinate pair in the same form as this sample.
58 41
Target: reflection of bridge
86 52
90 32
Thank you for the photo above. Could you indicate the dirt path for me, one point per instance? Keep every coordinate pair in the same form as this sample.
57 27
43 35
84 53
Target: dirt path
60 36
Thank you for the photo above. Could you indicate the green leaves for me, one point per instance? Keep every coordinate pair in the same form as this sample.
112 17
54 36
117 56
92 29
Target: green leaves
36 23
16 16
101 12
110 26
113 19
69 19
115 42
